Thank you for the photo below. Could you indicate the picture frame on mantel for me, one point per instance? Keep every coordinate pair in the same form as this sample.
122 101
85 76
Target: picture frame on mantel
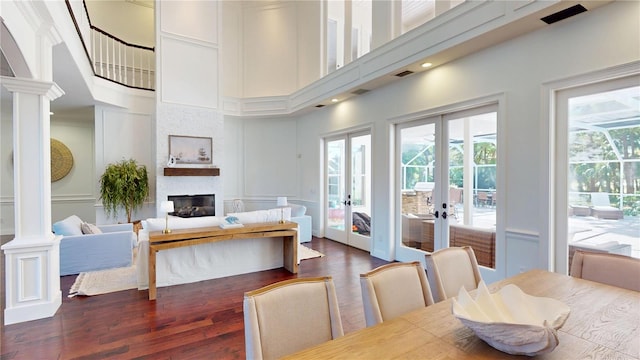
191 150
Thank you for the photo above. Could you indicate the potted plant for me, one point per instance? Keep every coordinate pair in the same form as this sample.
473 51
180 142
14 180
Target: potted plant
124 184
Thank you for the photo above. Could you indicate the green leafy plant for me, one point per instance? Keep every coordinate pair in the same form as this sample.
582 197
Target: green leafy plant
124 184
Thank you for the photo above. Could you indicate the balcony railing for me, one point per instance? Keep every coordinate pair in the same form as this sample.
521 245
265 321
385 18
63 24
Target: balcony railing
110 57
124 63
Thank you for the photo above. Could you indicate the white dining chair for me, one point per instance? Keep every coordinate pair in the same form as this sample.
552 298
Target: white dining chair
291 315
394 289
612 269
451 268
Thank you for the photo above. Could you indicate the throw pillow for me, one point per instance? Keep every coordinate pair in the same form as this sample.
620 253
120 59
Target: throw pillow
69 226
90 229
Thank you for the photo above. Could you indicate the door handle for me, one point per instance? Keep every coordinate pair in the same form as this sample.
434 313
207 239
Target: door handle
347 202
436 214
444 214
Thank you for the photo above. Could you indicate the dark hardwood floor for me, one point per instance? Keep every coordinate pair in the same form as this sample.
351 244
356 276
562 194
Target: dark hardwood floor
202 320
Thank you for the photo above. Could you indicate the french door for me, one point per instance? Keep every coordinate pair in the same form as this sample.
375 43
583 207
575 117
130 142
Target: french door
348 189
597 166
446 171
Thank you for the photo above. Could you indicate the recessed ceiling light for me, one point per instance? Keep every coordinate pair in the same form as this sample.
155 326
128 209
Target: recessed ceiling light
426 65
334 100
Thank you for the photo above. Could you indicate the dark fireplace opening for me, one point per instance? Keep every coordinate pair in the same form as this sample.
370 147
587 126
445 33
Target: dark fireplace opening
193 205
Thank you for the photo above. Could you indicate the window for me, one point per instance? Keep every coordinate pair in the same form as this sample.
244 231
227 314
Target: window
417 12
349 29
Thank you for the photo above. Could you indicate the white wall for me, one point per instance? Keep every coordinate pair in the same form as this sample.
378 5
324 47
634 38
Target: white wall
187 49
270 48
262 161
122 135
595 40
72 195
125 20
75 193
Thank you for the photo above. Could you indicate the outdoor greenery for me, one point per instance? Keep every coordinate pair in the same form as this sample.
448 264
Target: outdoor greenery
598 163
419 159
124 185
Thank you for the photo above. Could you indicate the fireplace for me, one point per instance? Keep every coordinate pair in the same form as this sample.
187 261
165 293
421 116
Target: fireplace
193 205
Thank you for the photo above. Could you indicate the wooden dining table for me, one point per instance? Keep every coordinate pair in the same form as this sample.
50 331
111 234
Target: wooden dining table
604 323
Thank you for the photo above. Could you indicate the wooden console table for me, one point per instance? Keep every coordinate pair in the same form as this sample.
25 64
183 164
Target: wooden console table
188 237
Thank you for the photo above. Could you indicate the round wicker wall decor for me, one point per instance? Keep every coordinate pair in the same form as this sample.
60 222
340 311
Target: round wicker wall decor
61 160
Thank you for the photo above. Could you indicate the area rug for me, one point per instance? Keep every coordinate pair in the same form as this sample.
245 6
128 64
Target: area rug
104 281
305 253
112 280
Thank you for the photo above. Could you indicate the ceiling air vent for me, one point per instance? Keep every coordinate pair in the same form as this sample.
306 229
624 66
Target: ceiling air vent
563 14
360 91
404 73
319 106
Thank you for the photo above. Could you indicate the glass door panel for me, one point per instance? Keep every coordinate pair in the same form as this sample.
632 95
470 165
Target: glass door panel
448 189
360 194
600 136
336 193
473 197
417 185
348 190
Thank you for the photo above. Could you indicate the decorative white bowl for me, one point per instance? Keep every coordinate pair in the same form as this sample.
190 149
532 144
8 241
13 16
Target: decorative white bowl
510 320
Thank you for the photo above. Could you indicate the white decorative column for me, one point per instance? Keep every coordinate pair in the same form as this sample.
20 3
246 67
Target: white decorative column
32 257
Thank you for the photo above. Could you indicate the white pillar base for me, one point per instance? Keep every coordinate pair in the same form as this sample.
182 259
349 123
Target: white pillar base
32 269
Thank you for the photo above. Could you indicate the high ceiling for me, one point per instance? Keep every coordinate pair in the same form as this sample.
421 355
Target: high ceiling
77 95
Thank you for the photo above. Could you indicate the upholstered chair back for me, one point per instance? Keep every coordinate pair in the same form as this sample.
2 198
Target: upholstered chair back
291 315
392 290
450 268
612 269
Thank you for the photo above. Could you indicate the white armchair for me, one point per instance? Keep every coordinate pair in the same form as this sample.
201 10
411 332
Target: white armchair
304 221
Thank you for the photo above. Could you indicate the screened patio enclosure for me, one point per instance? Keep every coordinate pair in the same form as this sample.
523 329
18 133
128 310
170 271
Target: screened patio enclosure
603 192
604 170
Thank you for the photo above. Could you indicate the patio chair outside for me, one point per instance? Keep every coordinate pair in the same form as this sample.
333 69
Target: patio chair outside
455 198
602 209
482 198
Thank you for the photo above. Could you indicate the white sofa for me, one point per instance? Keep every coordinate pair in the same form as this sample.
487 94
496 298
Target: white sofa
211 260
79 252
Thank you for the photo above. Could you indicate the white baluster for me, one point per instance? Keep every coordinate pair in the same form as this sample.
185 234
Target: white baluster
148 69
101 67
113 58
93 51
133 68
120 62
126 71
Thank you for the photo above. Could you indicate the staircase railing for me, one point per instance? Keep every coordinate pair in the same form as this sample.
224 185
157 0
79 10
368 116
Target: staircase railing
111 58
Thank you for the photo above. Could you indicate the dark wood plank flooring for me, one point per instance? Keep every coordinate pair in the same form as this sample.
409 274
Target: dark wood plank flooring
194 321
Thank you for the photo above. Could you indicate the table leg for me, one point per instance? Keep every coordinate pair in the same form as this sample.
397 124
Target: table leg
152 273
290 253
